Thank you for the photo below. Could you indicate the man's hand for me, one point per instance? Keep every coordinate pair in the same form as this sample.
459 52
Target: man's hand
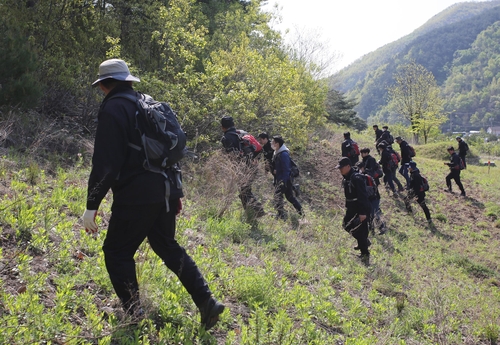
179 207
362 217
89 221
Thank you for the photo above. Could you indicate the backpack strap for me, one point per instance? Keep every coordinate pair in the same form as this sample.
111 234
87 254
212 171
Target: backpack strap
135 100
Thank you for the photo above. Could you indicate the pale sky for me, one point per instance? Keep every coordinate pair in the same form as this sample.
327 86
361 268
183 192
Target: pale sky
354 28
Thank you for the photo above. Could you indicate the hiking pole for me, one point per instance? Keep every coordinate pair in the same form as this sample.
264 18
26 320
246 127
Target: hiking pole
488 167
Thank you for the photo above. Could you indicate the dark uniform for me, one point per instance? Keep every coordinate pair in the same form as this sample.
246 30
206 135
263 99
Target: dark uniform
283 184
405 158
378 134
385 162
416 191
394 170
268 153
139 210
347 151
356 204
385 136
231 142
462 150
454 173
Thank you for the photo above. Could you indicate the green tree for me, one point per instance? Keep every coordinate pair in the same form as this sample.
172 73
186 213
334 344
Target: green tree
415 95
340 110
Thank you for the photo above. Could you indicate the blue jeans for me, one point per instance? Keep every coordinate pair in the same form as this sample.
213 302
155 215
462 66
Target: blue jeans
403 170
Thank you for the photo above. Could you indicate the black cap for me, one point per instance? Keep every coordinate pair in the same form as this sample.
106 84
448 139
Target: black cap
458 138
385 127
344 161
398 138
227 122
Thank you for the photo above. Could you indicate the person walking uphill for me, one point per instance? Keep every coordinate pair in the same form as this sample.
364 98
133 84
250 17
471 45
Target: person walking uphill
267 151
145 203
378 133
282 181
232 145
405 159
358 207
350 149
463 148
387 164
417 190
455 167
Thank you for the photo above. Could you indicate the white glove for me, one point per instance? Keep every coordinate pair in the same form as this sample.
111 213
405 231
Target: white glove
89 221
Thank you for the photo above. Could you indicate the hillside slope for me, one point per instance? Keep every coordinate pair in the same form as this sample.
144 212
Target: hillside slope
294 282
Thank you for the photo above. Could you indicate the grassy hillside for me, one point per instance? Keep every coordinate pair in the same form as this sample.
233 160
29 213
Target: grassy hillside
294 282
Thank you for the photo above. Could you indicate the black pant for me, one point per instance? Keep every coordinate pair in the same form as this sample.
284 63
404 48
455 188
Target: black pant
388 179
361 233
421 202
455 175
396 180
463 159
128 227
287 190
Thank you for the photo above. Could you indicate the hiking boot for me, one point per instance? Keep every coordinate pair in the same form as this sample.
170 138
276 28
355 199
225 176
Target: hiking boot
429 221
209 312
383 229
448 190
462 194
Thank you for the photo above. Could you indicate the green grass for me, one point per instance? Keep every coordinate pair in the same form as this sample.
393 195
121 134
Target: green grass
294 282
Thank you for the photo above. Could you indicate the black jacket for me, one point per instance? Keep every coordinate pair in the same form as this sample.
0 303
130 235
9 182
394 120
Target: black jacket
116 165
385 160
454 162
378 133
405 152
384 136
355 193
231 141
416 183
268 153
462 148
347 150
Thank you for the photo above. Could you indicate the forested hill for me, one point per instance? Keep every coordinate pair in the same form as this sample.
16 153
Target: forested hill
438 45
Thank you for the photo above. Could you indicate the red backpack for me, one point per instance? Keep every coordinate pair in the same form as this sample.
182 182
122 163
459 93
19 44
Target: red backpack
248 143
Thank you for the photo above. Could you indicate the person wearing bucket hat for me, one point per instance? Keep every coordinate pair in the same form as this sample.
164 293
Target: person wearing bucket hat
358 207
139 210
417 189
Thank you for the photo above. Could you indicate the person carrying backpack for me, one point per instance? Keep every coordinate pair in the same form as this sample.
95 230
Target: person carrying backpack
233 146
385 136
387 163
463 148
405 158
417 189
371 166
455 166
375 216
358 207
396 159
283 183
350 148
145 202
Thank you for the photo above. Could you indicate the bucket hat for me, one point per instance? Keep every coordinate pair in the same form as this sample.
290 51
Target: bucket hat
114 69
